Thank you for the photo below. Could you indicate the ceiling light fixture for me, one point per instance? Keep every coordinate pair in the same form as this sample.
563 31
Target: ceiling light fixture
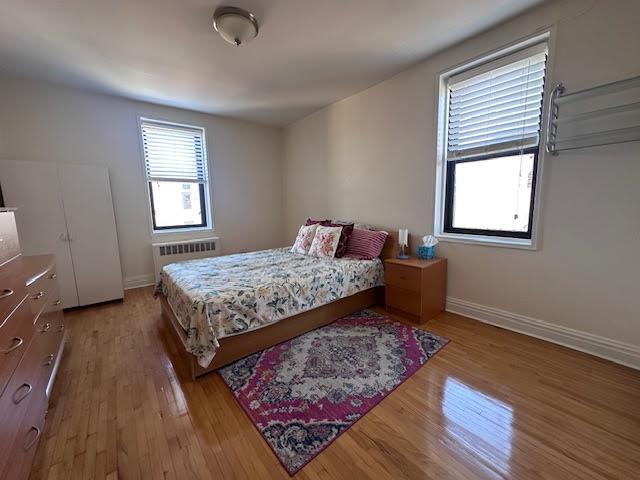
235 25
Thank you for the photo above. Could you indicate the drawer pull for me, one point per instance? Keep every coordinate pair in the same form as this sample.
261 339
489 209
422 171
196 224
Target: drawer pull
22 392
17 341
34 440
49 360
53 276
45 327
7 292
57 302
38 295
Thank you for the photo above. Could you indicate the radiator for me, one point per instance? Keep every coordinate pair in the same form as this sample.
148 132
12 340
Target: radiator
172 252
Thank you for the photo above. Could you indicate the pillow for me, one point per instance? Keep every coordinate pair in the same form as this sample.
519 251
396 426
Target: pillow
366 244
347 229
325 242
304 239
363 226
313 221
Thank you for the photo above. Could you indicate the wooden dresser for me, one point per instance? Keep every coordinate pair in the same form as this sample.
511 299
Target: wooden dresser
32 336
415 288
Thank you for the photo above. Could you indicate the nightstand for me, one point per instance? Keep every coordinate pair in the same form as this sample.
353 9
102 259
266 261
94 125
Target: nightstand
415 288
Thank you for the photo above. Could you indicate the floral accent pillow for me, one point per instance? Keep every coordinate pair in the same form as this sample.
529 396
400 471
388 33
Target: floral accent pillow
347 229
325 242
304 239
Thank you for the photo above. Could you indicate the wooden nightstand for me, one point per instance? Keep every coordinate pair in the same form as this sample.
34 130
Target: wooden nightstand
415 288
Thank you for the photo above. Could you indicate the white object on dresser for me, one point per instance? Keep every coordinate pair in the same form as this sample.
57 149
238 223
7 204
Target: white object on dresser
67 210
180 250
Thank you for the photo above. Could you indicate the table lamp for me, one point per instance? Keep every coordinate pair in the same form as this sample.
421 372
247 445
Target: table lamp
403 241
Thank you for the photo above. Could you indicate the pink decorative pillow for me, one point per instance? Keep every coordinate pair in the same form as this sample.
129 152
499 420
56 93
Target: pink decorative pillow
347 230
325 242
304 239
366 244
313 221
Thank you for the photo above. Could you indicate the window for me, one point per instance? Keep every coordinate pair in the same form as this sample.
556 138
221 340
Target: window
175 163
491 135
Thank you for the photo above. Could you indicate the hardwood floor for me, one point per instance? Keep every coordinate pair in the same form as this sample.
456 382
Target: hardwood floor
493 404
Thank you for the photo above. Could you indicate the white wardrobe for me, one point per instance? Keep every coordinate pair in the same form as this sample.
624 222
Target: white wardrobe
67 210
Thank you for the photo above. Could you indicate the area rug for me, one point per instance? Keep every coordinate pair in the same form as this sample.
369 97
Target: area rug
304 393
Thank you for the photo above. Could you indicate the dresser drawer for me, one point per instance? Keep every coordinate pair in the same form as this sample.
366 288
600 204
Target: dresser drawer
27 383
49 335
18 464
403 277
12 289
403 299
43 293
15 336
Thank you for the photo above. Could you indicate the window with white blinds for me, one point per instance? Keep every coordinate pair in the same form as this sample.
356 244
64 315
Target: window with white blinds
175 164
497 110
173 153
489 130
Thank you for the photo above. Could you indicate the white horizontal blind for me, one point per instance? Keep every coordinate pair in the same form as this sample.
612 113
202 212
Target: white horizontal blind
497 110
173 152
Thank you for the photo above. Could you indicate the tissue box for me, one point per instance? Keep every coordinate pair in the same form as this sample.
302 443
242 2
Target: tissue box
426 253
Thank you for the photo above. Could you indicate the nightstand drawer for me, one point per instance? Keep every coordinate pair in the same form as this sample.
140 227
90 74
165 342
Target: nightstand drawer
403 277
403 299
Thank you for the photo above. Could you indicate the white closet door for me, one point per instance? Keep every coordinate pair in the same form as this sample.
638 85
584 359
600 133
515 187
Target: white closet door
33 188
88 207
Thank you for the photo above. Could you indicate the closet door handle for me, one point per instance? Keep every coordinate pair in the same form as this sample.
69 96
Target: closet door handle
21 393
49 360
56 303
53 276
38 295
7 292
17 341
45 327
32 442
61 329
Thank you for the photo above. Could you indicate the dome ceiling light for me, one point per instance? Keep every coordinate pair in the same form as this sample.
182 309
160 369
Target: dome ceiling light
235 25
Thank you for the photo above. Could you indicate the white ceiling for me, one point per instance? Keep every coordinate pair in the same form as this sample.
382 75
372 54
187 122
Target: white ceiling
308 54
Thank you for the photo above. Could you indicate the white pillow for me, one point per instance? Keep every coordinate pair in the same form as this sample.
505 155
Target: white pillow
304 239
325 242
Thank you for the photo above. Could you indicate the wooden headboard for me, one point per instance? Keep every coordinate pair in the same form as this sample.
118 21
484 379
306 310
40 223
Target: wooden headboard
391 247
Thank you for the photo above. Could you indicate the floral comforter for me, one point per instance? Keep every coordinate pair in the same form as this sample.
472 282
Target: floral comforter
221 296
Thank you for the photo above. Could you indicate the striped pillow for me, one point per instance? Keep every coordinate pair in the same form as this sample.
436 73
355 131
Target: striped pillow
366 244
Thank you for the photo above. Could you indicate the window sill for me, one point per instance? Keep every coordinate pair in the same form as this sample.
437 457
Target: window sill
177 231
489 241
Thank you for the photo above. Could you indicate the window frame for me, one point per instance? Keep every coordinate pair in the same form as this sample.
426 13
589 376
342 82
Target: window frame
487 237
450 191
198 226
204 188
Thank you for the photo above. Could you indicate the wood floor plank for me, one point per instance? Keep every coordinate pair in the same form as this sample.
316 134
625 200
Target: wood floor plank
492 405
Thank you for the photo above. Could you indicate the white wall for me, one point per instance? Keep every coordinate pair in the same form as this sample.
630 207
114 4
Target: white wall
45 122
371 158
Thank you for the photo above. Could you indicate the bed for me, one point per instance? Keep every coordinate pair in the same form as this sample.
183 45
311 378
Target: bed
221 309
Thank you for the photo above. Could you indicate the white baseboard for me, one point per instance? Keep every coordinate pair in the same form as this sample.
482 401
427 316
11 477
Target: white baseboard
614 350
138 281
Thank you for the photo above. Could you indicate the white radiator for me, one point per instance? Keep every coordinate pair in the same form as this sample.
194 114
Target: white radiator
172 252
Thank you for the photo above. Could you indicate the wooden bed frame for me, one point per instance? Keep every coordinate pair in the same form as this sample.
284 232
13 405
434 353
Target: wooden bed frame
238 346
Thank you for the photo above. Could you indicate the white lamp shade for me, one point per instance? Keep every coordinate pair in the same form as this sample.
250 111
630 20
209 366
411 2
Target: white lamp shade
403 237
235 29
